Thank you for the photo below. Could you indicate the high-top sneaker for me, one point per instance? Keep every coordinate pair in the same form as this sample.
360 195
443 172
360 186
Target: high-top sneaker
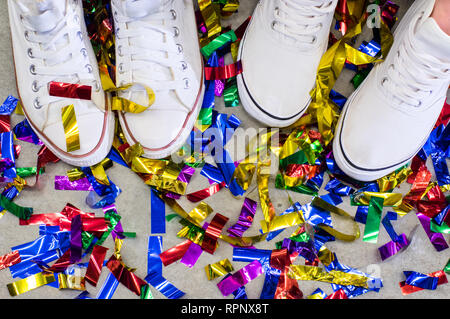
280 54
388 119
50 44
157 47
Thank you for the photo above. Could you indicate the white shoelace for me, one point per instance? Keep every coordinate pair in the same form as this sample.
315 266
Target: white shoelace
301 20
413 75
152 57
62 58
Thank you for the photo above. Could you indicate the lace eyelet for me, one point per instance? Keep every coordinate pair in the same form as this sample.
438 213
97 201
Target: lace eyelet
80 35
180 48
314 40
384 80
37 104
27 35
30 53
34 87
174 14
273 25
97 86
89 68
121 70
186 83
33 69
84 52
76 19
119 50
184 66
176 32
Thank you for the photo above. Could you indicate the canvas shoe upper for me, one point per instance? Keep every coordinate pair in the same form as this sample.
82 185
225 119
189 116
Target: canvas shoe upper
157 47
389 118
50 43
280 54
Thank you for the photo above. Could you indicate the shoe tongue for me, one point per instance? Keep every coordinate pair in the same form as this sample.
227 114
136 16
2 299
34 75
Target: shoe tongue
142 8
43 15
430 38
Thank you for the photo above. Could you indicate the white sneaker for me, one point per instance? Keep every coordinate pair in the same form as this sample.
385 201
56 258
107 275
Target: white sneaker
50 43
157 46
280 54
388 119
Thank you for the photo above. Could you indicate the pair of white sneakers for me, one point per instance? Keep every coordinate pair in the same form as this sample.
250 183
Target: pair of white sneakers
387 120
382 126
156 47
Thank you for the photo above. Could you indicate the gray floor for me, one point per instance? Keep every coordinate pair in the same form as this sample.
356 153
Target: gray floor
134 206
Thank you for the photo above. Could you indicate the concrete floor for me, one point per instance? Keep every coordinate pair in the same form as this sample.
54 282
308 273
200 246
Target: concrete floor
134 207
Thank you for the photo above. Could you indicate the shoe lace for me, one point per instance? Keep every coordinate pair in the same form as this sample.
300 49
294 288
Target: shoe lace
412 75
152 57
58 51
301 20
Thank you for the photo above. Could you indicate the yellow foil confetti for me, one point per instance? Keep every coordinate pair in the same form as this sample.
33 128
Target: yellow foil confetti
300 272
218 269
30 283
71 282
70 125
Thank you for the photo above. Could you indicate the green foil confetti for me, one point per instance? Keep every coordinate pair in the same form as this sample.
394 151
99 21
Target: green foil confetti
28 171
218 42
372 228
146 293
447 267
19 211
443 229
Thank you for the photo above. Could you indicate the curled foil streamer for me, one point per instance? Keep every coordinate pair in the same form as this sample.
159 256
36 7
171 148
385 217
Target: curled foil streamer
322 204
322 109
300 272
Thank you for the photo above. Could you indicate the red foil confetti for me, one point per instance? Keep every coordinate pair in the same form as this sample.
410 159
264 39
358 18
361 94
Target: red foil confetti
125 276
5 123
95 265
407 289
212 233
62 263
205 193
223 72
340 294
72 91
430 209
175 253
9 259
287 287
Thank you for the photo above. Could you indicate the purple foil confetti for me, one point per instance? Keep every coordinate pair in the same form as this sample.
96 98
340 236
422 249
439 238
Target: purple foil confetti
63 183
240 278
245 218
306 250
220 84
391 248
193 253
437 239
76 243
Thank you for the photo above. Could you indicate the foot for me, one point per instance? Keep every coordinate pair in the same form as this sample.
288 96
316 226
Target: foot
385 123
50 44
280 54
157 47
